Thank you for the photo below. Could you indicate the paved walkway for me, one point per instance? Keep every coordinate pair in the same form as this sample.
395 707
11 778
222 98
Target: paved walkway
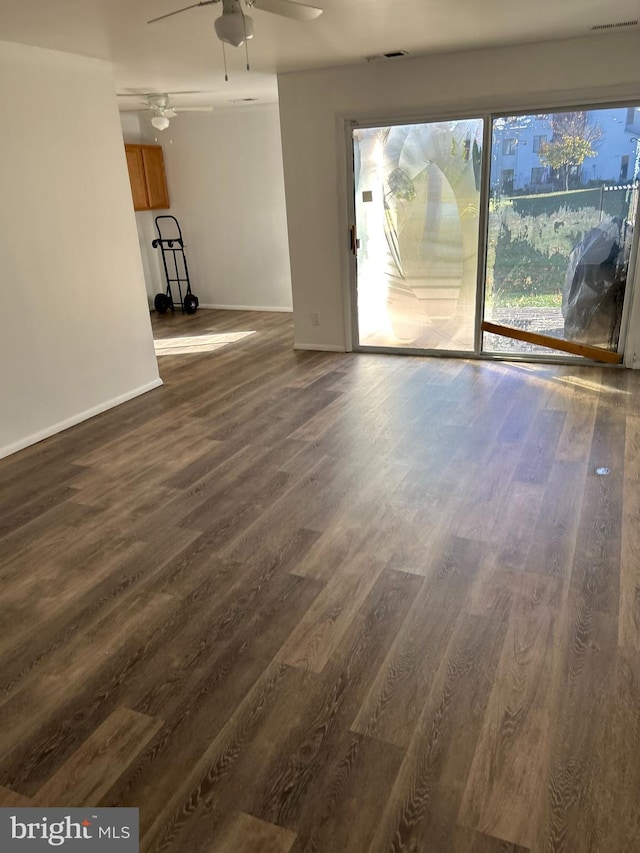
547 321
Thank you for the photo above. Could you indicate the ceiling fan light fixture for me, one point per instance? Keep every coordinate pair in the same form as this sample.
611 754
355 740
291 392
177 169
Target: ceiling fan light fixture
160 122
233 28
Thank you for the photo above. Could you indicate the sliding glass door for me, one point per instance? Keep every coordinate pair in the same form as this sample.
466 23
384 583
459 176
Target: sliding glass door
417 193
555 225
564 189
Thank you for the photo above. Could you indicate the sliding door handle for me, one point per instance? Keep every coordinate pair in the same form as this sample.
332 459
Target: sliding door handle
354 242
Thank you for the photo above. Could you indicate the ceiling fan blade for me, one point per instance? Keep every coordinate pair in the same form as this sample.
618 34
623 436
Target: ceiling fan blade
143 95
169 112
184 9
193 109
287 8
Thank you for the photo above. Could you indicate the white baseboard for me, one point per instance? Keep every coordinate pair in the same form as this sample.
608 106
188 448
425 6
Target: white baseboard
320 347
278 310
47 432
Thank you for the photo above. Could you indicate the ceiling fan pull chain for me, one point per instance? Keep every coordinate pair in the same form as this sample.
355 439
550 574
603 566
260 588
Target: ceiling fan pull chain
224 59
246 42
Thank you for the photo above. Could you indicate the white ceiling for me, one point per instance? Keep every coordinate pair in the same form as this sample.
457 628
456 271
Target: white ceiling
183 53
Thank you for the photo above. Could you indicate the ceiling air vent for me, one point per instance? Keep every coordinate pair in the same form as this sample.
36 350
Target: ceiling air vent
619 25
392 54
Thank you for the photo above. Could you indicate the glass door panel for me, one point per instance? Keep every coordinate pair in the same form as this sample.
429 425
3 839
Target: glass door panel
563 199
417 202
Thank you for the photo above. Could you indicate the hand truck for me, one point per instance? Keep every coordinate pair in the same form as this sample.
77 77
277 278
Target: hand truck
173 248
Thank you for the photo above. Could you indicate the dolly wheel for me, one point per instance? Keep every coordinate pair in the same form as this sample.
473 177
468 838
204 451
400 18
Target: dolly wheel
161 303
190 303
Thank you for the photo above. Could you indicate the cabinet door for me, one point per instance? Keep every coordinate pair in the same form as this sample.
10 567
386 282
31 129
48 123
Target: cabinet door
136 176
157 192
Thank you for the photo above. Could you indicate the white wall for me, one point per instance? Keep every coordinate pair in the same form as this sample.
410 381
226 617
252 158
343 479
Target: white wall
315 104
76 336
226 187
130 123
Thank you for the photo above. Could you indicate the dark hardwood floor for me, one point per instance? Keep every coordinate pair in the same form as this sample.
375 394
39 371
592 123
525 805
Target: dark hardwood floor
299 601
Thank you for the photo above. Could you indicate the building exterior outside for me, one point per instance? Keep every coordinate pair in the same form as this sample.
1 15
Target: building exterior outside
517 168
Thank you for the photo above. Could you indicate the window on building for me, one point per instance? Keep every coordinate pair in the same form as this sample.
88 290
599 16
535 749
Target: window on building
508 146
574 176
537 175
537 142
632 115
624 168
507 180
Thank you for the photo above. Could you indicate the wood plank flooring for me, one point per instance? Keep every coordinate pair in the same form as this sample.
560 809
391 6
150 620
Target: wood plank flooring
299 602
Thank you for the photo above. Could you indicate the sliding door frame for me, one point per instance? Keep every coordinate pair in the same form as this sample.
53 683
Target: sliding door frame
350 126
483 225
488 117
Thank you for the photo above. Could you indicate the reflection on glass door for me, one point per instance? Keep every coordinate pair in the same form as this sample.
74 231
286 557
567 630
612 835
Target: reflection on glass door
563 199
417 200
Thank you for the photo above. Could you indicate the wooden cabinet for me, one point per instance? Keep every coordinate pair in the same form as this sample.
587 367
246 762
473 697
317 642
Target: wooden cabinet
147 177
136 177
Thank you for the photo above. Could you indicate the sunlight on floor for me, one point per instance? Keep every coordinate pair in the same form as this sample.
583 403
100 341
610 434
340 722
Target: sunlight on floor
190 344
587 385
575 382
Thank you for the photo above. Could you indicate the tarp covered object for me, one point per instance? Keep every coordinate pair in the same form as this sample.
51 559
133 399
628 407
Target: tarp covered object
594 285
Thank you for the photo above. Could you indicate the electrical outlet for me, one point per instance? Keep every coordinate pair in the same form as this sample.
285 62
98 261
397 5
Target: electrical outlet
315 318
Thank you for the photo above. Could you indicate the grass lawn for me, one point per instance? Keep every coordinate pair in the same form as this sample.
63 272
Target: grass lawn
525 300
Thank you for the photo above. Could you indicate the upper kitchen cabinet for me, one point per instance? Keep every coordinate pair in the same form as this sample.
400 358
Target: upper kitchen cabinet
147 177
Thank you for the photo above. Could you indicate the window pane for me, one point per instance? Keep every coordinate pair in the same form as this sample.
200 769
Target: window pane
538 141
560 225
417 208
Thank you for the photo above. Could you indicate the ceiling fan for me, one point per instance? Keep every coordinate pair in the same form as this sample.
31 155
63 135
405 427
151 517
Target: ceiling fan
234 27
161 108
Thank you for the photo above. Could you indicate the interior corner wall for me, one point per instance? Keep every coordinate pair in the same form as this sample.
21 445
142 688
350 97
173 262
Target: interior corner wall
76 335
226 186
315 105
